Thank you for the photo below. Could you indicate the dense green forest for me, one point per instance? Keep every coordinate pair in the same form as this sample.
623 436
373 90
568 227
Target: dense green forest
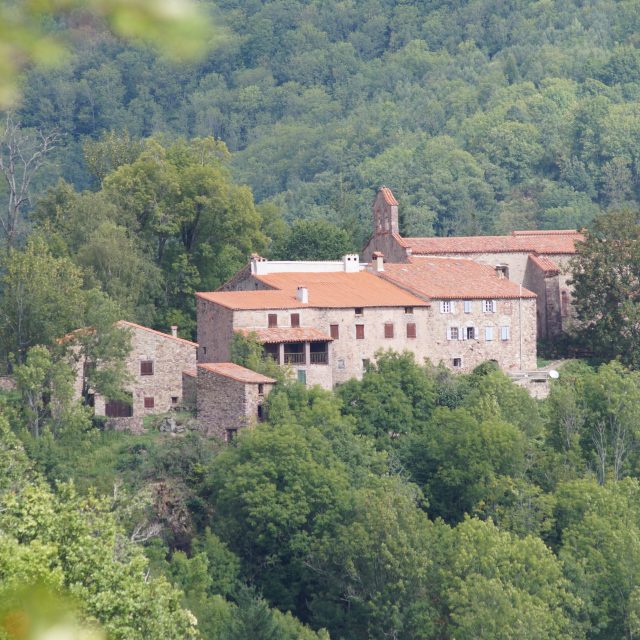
481 116
413 504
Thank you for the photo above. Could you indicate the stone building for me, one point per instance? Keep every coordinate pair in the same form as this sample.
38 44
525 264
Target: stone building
327 320
538 260
155 365
229 398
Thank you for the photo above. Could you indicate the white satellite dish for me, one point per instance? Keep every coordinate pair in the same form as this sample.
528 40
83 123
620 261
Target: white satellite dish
554 374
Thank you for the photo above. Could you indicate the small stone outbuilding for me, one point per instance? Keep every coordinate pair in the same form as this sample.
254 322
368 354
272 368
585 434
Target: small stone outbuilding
230 397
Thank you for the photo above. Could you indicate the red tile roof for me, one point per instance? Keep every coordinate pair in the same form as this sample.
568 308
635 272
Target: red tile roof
287 334
133 325
332 290
548 266
548 242
192 373
236 372
452 279
388 196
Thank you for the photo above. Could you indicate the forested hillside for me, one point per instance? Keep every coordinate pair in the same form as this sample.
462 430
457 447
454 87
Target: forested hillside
482 116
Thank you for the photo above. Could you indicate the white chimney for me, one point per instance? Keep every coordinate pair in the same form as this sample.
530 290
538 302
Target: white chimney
378 258
302 295
174 330
351 263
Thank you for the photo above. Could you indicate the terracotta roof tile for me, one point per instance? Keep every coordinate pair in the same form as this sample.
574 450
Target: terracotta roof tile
333 290
287 334
550 242
236 372
388 196
452 279
133 325
192 373
548 266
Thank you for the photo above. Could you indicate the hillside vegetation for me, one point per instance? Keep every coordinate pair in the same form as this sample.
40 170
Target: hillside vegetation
482 115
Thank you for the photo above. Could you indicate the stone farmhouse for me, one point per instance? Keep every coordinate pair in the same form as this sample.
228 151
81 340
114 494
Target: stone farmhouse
327 320
537 260
155 365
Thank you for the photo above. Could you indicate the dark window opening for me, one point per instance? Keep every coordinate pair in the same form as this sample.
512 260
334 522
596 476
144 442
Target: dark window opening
335 331
365 363
294 353
457 362
118 409
146 368
273 320
260 389
91 399
174 399
359 311
359 332
319 353
231 435
272 351
471 334
260 413
408 310
411 330
295 319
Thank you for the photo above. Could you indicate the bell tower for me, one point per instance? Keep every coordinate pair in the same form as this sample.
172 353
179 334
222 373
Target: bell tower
385 212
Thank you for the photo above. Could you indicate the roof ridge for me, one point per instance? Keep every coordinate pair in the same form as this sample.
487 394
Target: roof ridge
160 333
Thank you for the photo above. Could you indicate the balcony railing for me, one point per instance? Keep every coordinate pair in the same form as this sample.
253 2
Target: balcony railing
293 358
319 357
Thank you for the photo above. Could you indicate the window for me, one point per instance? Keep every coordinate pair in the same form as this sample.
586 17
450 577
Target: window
260 413
471 333
488 334
273 320
359 311
174 399
411 330
489 306
232 434
467 306
204 350
260 389
146 368
295 319
408 310
365 363
453 333
335 331
341 364
564 303
359 332
388 329
504 333
302 376
446 306
149 403
457 363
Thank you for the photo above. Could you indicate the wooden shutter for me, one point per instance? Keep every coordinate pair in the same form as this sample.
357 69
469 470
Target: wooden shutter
149 403
411 330
388 330
295 319
146 368
273 320
335 331
359 332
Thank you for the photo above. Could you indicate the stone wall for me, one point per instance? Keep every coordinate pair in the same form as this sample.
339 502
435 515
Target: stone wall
224 403
215 332
349 354
386 243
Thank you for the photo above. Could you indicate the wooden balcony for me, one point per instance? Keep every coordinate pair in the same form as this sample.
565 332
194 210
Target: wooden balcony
319 357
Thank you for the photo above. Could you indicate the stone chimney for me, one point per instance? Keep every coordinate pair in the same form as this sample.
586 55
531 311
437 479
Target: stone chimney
378 260
302 295
385 212
174 330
